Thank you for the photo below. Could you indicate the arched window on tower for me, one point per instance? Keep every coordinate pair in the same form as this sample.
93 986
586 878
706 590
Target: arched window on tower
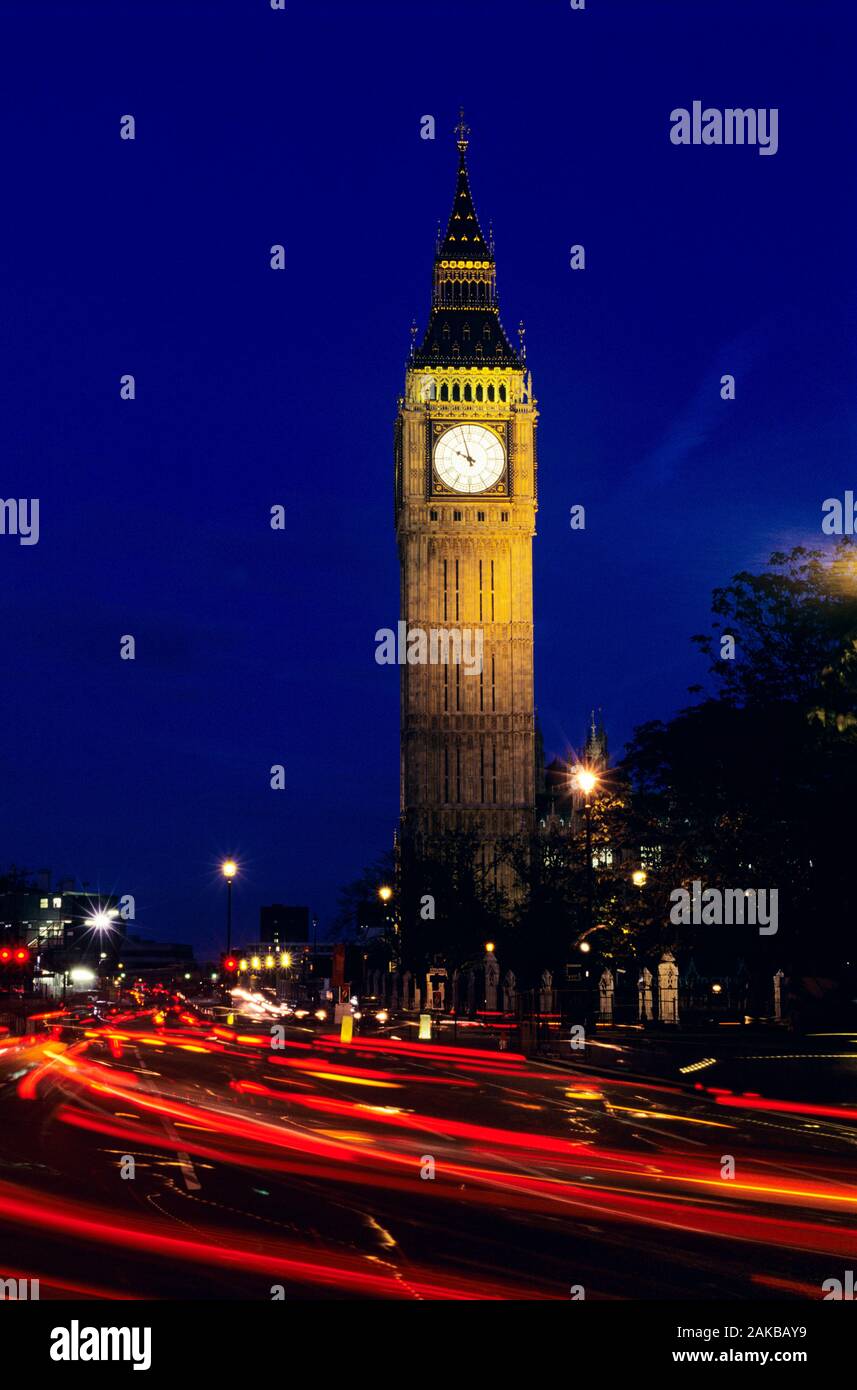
479 393
456 392
444 392
502 393
490 393
468 393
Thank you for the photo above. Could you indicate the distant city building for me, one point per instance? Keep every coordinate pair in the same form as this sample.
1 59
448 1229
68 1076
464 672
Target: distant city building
280 923
63 918
141 957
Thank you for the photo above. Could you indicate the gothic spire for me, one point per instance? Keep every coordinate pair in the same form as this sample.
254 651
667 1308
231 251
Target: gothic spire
464 238
464 327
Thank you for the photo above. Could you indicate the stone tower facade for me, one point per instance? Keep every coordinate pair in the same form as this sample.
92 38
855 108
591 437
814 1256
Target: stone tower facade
465 509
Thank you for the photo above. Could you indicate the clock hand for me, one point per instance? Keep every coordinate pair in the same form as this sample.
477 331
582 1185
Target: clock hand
464 442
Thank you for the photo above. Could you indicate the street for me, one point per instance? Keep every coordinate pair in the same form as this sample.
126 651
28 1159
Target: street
391 1167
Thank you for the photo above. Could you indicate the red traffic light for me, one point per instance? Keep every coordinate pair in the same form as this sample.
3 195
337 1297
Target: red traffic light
230 963
14 955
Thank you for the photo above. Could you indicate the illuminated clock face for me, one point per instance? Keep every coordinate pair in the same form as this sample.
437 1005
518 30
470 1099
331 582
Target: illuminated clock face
469 458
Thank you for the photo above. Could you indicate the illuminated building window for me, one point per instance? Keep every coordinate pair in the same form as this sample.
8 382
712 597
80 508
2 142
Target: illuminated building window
486 331
465 332
479 354
57 902
43 902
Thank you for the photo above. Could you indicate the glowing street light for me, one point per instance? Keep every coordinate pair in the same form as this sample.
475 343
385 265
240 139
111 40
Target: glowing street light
490 947
229 869
638 878
99 921
585 780
385 893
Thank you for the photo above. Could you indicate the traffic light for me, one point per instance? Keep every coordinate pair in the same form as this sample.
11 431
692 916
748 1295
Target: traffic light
228 964
14 956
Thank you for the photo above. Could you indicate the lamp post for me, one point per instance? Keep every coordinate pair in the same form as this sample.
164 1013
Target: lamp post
229 869
391 941
586 781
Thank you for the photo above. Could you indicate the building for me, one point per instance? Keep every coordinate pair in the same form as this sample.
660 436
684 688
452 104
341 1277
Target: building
465 508
163 960
281 923
60 920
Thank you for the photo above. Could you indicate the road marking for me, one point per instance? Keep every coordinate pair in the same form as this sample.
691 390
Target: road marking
188 1171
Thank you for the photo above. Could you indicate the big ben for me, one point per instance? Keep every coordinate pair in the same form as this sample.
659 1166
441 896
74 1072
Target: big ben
465 507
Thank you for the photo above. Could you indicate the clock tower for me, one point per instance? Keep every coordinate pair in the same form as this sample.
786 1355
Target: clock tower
465 507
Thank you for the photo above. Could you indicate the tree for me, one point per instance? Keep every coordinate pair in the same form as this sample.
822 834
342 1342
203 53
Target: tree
753 786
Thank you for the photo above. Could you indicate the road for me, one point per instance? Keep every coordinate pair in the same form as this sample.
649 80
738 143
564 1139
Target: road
391 1168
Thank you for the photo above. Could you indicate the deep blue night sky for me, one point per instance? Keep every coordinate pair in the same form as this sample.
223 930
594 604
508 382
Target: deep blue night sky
254 388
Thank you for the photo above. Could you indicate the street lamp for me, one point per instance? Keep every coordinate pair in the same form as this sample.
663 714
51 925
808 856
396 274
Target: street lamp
638 878
229 869
586 781
385 893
